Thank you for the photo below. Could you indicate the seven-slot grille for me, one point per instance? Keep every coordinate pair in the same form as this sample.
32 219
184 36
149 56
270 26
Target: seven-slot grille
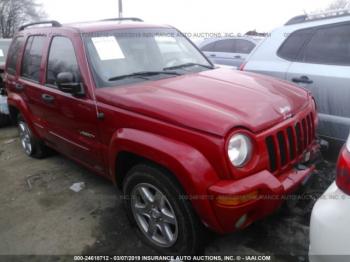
288 144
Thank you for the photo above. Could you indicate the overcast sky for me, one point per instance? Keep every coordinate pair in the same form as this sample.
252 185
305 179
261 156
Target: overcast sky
190 16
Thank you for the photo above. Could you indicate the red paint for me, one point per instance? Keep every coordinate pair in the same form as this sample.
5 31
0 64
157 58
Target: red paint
182 123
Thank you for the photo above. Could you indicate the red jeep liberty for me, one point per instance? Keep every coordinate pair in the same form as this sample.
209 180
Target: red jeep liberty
190 145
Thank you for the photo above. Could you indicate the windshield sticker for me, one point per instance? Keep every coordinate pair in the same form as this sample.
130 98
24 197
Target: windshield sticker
1 53
108 48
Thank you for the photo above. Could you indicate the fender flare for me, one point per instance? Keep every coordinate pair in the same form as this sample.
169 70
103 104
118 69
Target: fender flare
15 100
191 169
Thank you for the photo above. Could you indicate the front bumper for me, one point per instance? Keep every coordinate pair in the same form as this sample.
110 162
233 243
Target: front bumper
329 227
272 191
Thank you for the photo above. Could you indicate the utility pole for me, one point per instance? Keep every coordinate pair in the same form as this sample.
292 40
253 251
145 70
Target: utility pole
120 8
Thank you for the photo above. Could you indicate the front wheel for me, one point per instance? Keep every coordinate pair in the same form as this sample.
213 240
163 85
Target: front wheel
165 219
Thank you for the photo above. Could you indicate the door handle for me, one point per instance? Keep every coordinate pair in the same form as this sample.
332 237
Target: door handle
19 87
302 79
212 55
238 56
47 98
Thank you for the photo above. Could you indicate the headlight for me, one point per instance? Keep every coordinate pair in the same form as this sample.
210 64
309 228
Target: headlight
239 150
348 144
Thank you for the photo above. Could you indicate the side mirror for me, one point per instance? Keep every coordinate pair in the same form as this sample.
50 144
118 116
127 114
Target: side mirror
65 82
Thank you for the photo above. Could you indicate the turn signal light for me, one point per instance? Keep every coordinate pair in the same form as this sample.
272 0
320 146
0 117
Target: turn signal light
236 200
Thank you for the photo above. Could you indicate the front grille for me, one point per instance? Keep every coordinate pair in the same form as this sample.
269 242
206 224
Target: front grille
289 143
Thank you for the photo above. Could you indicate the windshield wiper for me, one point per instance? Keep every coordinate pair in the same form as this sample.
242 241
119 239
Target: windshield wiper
187 65
143 75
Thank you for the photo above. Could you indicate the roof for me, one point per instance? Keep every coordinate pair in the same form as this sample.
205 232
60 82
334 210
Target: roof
92 26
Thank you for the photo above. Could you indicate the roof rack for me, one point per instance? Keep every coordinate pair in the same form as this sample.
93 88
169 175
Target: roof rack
135 19
52 22
318 16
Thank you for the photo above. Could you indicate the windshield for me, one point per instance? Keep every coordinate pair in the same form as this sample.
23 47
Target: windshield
124 57
4 46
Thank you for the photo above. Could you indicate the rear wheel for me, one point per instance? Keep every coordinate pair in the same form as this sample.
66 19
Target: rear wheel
165 219
32 146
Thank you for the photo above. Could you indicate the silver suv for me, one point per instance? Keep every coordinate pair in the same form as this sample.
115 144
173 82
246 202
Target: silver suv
313 51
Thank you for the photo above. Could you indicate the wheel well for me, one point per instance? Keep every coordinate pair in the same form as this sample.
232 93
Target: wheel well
13 114
126 160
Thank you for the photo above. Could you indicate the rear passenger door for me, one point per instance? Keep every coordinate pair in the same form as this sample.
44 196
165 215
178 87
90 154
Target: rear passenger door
323 67
29 81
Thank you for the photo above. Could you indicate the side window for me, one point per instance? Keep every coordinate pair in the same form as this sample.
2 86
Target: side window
32 57
62 58
291 48
13 54
209 47
225 46
244 46
329 46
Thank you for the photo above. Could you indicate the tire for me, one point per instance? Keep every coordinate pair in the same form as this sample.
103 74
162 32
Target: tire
31 145
4 120
169 212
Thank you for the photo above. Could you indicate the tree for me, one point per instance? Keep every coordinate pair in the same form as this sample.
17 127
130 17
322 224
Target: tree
14 13
339 4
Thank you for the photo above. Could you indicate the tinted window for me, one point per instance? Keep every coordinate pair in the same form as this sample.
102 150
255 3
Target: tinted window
61 59
13 54
225 46
32 57
292 46
329 46
244 46
209 47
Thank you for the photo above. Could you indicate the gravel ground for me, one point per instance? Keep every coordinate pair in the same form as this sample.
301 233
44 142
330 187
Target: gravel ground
40 215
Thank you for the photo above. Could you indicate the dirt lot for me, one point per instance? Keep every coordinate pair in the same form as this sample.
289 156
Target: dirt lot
39 214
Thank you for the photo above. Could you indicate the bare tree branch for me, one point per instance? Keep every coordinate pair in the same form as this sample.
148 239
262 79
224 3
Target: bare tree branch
14 13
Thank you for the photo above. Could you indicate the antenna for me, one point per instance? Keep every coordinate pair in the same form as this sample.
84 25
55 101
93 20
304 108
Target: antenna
120 8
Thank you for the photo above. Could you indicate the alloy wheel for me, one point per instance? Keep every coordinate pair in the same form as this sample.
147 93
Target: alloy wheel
24 135
154 215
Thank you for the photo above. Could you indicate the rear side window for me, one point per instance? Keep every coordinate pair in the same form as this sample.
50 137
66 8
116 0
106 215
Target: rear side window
329 46
244 46
32 57
13 54
62 58
291 48
209 47
225 46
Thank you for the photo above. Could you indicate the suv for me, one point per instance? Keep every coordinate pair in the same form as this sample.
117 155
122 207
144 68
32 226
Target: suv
314 52
139 104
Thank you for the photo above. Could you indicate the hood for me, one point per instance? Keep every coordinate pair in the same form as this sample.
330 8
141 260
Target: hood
213 101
